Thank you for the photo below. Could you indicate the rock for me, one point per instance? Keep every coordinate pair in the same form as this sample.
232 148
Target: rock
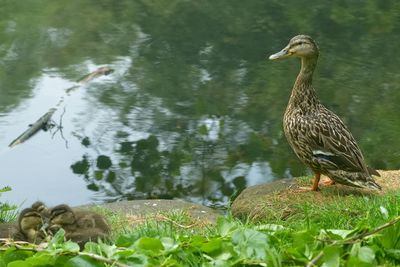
253 201
280 199
154 207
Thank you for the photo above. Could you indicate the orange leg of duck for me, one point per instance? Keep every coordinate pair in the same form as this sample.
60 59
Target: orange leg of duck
316 182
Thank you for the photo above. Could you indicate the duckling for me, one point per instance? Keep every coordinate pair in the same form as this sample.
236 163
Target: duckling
40 207
30 224
80 226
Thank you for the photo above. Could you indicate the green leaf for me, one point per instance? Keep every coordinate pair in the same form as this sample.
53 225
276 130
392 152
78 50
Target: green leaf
225 227
331 257
83 261
14 255
197 241
19 263
148 243
57 239
135 259
336 234
41 259
124 240
354 261
212 245
251 243
169 244
70 246
366 254
107 250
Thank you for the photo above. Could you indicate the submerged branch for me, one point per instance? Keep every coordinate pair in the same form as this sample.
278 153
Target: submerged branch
42 121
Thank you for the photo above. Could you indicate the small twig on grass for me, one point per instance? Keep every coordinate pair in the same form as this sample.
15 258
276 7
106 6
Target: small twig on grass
353 239
377 229
176 223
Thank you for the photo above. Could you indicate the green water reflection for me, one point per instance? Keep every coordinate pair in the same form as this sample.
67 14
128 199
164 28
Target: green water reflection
196 107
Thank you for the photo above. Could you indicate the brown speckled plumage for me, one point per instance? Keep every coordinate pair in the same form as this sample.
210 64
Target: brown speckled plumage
317 135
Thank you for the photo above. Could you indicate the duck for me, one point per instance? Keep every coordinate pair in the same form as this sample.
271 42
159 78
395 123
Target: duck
318 136
80 226
43 210
30 227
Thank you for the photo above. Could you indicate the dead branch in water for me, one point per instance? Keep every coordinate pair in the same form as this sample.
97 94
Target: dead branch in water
42 122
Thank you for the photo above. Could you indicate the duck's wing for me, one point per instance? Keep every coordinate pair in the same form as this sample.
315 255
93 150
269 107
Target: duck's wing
333 146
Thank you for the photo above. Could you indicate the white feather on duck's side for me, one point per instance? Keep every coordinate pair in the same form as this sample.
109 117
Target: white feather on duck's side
317 135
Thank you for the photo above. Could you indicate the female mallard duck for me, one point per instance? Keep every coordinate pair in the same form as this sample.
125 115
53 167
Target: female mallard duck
317 135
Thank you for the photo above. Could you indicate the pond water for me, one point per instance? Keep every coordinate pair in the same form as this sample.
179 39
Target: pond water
193 109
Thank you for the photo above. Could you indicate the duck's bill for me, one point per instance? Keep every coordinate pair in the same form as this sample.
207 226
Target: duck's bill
281 54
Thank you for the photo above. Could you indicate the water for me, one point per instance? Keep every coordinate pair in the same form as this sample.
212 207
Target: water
193 110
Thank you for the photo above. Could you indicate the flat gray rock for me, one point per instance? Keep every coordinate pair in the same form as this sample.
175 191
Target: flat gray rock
157 206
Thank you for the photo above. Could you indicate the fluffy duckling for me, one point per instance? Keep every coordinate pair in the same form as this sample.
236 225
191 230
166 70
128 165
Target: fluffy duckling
80 226
30 224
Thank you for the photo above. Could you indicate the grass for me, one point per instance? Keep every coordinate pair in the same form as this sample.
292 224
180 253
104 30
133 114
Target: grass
335 227
287 238
337 211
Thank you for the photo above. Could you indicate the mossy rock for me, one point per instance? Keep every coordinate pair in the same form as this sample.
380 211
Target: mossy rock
284 198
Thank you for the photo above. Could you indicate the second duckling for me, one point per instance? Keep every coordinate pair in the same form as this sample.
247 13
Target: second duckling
80 226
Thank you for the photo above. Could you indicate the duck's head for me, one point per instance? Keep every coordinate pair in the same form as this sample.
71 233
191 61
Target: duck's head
62 215
299 46
41 208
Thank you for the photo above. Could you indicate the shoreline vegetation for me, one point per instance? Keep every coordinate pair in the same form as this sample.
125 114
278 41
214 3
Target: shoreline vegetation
333 227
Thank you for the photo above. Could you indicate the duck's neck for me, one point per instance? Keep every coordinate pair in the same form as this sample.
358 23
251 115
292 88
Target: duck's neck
303 93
